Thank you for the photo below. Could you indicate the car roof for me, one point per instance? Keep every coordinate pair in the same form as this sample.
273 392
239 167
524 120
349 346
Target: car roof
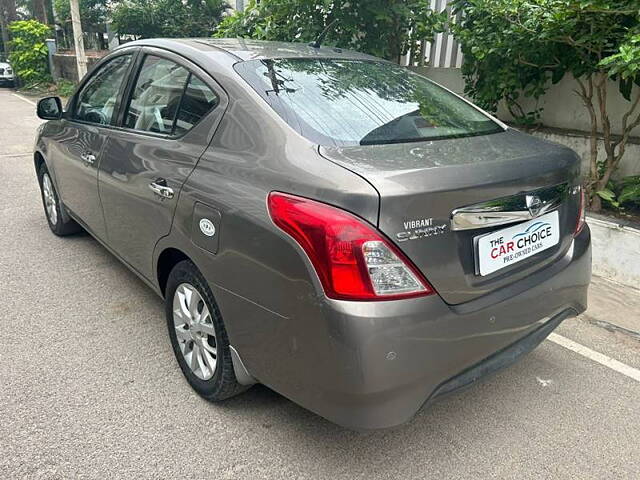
249 49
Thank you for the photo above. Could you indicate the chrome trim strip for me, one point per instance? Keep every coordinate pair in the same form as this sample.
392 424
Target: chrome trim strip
468 220
508 209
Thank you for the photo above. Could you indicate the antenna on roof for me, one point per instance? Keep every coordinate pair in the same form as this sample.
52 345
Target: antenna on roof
320 38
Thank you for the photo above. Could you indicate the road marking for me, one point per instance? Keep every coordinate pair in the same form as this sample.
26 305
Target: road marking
602 359
9 155
23 99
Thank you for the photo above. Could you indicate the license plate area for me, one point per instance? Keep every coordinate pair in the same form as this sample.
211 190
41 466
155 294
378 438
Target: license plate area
508 246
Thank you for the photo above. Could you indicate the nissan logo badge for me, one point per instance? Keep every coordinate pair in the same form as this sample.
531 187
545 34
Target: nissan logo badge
207 227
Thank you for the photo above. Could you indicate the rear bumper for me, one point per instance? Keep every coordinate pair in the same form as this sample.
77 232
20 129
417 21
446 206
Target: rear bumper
383 360
501 359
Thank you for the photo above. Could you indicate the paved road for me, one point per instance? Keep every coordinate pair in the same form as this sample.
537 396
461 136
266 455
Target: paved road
89 387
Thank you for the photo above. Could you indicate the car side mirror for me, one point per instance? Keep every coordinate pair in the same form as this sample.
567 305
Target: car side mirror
50 108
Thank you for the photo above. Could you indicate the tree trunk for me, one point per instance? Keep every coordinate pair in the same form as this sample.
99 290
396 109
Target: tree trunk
101 41
9 8
8 14
4 27
586 94
395 41
610 162
40 11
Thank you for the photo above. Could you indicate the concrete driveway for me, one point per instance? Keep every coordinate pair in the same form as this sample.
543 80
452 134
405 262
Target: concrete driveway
89 387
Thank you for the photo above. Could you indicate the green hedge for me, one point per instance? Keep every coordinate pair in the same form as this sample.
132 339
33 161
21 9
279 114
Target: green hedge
29 51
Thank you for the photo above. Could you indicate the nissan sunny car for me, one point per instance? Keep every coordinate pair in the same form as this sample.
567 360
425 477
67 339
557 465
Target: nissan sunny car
331 225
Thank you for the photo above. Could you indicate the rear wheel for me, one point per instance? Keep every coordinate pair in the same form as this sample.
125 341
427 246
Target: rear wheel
53 208
198 335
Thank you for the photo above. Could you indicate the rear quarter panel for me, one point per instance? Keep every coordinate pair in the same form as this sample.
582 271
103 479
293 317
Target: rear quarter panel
267 291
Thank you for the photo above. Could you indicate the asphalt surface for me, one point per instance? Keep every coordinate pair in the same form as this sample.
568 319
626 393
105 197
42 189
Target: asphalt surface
89 387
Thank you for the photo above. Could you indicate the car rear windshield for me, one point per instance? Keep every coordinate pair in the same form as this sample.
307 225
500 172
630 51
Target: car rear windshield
340 102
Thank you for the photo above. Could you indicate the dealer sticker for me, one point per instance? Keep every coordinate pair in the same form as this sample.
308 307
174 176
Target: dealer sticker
510 245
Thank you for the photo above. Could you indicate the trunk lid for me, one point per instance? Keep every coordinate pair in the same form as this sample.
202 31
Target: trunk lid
421 184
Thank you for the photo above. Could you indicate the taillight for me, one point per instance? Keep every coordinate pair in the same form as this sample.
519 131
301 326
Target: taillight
352 259
581 212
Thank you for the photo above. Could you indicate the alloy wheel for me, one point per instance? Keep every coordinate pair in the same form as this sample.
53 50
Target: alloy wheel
195 331
49 199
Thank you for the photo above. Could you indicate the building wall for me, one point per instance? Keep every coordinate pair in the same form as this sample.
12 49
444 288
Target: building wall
563 108
565 117
579 142
238 4
64 64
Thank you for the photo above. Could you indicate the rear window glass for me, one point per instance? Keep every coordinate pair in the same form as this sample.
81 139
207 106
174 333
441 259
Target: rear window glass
353 102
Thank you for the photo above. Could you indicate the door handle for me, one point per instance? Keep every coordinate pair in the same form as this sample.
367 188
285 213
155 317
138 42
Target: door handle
88 158
159 187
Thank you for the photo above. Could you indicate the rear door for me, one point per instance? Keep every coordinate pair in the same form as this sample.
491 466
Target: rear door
76 148
172 111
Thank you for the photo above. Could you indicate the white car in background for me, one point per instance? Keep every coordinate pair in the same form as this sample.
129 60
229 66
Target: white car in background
6 75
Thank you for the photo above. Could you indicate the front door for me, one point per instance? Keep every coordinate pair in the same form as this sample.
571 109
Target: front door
165 128
76 150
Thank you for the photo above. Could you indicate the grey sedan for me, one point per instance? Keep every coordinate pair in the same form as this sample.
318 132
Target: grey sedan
329 224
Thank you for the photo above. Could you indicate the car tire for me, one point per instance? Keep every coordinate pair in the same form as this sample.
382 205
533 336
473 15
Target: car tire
53 208
190 331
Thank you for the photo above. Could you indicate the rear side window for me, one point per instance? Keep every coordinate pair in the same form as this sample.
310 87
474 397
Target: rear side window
156 96
97 100
167 98
197 101
339 102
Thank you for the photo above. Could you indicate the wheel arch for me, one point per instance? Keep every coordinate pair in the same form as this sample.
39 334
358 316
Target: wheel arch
38 160
168 258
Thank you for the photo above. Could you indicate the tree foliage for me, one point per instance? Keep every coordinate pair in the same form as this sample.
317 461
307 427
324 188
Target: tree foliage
622 194
168 18
93 13
385 28
29 51
516 48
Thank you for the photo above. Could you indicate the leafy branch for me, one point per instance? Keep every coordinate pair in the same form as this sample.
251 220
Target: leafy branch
518 48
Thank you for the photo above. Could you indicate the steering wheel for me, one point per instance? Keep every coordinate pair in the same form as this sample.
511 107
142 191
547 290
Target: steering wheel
96 116
157 114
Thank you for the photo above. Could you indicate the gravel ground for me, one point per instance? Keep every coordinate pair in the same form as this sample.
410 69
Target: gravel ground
89 387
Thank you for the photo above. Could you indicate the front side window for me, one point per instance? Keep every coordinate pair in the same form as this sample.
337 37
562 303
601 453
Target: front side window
97 100
167 98
156 96
340 102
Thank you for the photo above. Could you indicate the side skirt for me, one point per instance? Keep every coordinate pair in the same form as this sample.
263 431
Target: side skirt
115 254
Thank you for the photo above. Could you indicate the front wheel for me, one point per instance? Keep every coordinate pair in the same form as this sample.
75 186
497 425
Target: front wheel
53 208
198 336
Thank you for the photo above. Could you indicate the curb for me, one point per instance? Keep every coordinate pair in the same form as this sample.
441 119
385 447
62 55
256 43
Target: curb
616 250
